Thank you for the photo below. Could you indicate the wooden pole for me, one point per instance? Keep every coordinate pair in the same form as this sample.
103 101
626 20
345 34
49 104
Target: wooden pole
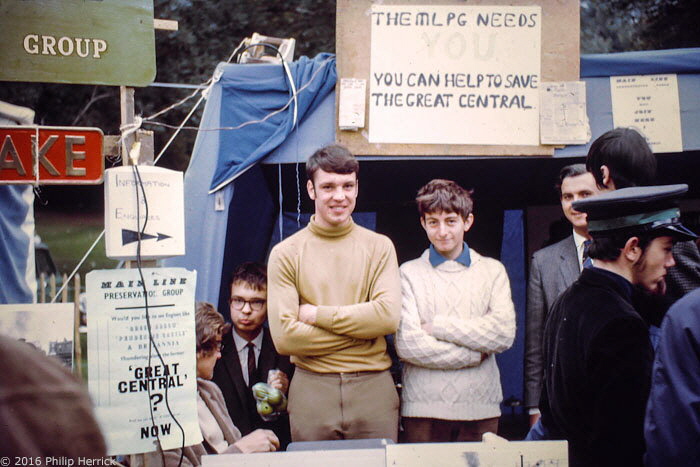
78 351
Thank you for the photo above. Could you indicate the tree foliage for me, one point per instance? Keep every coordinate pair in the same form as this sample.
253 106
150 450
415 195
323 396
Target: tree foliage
208 32
623 25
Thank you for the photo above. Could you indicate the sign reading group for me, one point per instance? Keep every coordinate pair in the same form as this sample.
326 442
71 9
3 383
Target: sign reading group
127 379
455 74
78 41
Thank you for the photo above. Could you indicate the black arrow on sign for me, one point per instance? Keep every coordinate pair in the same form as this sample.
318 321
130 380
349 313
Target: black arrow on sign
131 236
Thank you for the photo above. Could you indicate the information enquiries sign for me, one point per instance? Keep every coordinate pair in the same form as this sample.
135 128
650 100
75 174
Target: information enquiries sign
455 74
78 41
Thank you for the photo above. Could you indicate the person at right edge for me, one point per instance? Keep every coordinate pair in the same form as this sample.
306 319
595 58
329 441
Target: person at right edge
597 350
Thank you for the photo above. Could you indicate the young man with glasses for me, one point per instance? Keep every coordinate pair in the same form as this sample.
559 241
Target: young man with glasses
248 353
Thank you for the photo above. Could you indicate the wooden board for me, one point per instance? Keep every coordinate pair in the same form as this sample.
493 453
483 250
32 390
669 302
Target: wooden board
560 62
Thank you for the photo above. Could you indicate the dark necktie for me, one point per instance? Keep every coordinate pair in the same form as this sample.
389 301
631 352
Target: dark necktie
587 261
251 363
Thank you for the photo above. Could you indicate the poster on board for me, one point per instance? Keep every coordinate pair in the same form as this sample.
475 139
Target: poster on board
135 385
48 327
650 104
455 74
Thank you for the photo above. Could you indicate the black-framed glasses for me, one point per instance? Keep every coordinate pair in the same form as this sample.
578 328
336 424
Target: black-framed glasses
256 304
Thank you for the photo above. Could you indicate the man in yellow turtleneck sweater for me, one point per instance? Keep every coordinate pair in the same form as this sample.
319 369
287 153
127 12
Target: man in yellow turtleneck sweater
333 294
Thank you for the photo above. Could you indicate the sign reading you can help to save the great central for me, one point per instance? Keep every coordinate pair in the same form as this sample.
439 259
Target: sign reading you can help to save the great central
455 74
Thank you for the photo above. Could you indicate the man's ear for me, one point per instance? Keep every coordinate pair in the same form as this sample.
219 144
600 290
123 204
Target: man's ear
607 179
632 251
422 222
310 190
468 222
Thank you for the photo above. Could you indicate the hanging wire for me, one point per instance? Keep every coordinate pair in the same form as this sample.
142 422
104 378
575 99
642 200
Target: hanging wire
147 120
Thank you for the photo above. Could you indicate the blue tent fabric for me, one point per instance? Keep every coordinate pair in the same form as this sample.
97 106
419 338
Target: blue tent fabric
17 244
206 215
514 260
647 62
251 92
214 237
246 214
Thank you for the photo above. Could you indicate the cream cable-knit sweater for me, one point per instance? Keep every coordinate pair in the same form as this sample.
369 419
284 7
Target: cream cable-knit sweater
472 312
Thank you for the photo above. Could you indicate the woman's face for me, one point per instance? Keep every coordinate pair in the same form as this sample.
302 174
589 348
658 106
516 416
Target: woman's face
207 359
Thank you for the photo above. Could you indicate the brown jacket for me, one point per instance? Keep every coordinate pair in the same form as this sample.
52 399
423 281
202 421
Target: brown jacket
44 410
211 394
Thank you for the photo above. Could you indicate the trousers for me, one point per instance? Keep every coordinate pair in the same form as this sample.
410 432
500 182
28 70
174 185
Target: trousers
359 405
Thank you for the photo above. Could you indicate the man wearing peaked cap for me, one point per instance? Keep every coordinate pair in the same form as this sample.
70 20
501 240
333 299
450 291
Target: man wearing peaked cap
597 352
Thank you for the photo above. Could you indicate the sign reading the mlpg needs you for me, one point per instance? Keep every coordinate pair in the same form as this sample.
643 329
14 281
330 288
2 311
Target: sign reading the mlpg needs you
78 41
455 74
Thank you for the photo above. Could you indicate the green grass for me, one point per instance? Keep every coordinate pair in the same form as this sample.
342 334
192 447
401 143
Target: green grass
69 236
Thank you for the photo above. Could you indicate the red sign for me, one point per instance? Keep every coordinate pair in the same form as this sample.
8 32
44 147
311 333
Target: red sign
51 155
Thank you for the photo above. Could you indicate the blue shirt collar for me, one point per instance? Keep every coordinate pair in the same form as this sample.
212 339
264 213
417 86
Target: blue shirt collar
436 259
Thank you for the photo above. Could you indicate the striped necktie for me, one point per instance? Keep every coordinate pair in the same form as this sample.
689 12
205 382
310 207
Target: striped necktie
587 261
251 363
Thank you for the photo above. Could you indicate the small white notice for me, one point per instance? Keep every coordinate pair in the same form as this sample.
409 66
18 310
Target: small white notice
455 74
650 104
148 205
141 360
563 118
351 110
486 454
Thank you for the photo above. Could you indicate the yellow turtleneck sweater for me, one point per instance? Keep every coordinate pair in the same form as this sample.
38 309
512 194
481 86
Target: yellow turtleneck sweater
351 274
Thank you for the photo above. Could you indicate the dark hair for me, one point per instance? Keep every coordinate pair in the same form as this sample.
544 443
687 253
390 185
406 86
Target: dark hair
573 170
208 325
626 154
251 273
334 159
440 195
609 247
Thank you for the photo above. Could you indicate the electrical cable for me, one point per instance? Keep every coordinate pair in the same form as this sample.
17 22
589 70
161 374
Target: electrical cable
249 122
183 127
152 343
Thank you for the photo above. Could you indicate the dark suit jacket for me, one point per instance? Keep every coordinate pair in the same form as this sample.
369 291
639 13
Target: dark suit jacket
239 398
552 270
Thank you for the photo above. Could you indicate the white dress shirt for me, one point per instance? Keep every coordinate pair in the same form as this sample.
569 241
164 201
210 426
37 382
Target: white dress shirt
242 350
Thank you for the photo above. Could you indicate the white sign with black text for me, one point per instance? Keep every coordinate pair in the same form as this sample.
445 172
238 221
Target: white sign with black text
142 360
455 74
650 104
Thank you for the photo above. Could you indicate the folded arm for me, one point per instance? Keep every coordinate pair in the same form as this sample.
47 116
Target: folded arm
415 345
490 333
291 336
377 317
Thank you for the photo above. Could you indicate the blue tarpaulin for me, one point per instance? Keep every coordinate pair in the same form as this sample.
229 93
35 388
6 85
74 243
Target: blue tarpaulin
648 62
249 93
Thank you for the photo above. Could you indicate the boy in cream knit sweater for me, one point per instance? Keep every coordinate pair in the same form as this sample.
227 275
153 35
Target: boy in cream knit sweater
456 314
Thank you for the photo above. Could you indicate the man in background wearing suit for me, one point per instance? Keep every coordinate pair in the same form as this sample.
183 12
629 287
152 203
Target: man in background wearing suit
552 270
248 354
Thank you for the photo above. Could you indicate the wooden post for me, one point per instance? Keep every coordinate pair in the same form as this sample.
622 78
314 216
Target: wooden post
77 349
42 287
128 117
